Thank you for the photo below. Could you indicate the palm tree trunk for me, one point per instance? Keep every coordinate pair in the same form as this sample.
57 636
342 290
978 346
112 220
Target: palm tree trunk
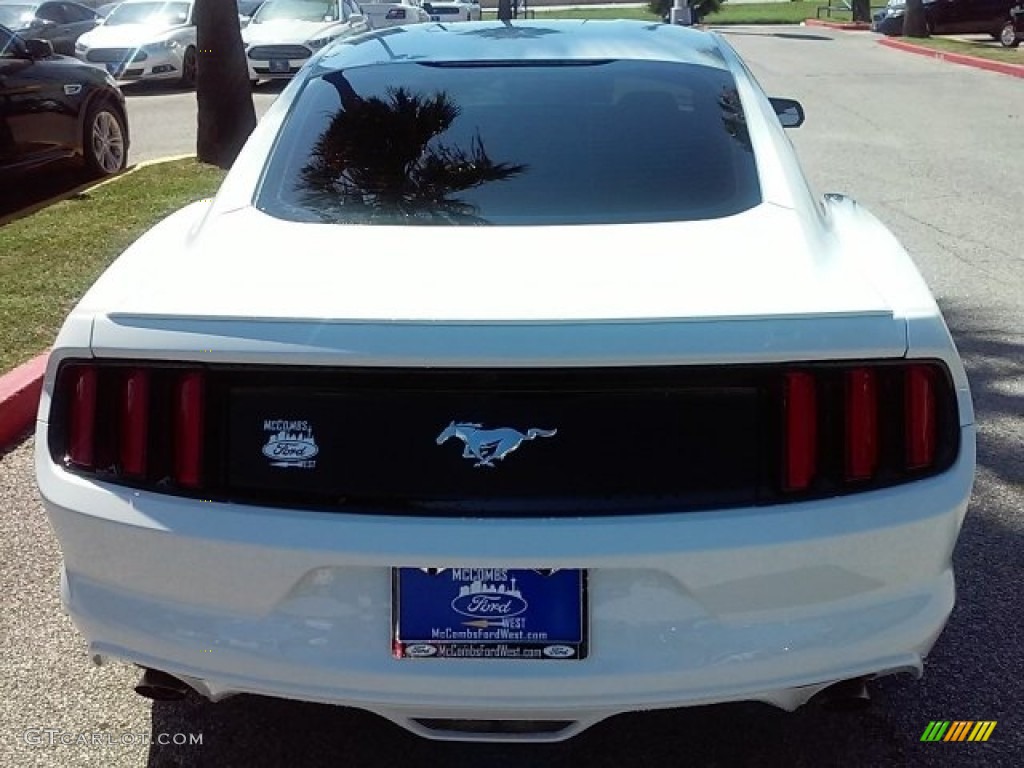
223 93
914 22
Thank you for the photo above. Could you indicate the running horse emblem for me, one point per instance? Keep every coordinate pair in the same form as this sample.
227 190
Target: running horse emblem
489 445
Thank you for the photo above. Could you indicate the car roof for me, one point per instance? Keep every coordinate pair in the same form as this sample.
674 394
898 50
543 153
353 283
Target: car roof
533 40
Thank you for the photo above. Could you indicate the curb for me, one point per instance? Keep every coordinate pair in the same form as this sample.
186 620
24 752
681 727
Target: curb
1014 70
20 388
89 185
848 26
19 398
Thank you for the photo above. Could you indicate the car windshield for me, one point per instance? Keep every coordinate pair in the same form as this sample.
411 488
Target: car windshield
298 10
16 16
514 143
163 14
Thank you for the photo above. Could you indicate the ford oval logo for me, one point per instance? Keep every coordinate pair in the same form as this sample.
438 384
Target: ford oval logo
489 605
421 650
290 450
559 651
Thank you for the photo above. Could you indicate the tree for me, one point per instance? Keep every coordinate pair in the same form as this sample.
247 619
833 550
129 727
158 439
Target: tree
701 8
861 10
223 92
914 22
380 159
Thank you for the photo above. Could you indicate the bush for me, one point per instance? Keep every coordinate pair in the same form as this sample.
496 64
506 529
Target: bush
702 7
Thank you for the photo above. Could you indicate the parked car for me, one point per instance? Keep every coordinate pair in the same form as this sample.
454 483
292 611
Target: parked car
61 23
488 421
1012 32
459 10
394 14
54 109
145 40
949 17
284 34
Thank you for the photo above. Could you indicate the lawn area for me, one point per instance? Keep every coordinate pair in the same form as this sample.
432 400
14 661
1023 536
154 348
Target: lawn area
49 259
741 13
984 47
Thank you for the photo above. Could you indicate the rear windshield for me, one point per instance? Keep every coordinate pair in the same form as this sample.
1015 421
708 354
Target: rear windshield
578 143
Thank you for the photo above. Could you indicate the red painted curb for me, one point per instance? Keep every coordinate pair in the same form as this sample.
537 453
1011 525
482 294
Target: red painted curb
19 398
849 26
1014 70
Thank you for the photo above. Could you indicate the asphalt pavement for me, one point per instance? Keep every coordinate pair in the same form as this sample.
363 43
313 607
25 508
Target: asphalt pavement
937 151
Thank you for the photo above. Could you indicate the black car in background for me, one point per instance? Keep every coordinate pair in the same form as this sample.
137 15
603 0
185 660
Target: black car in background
949 17
1013 30
62 23
55 108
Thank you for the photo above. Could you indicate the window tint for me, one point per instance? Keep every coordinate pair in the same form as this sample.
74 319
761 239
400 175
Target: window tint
75 13
573 143
51 12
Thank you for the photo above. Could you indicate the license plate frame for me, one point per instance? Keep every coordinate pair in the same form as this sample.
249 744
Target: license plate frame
280 66
489 613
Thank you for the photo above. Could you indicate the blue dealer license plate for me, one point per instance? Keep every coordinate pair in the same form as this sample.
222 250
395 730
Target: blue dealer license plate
489 613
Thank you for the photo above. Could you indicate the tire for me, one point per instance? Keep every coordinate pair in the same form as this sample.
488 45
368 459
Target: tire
189 63
1008 36
104 143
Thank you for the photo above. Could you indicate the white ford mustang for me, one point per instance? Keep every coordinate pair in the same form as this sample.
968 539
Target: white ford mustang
512 380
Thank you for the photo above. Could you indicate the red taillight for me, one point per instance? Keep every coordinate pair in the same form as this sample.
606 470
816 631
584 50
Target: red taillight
801 436
861 424
82 417
188 429
134 422
919 396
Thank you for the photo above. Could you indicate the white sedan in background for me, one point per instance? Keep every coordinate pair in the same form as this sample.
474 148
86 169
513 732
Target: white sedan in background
453 10
455 407
284 34
144 40
383 15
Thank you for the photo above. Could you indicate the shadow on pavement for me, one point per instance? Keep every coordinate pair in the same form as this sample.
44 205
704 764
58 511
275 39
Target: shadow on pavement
784 35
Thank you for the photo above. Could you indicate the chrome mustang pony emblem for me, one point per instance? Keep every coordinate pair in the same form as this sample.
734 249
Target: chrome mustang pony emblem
489 445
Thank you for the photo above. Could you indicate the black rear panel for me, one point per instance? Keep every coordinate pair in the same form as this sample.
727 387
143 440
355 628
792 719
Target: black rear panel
512 442
619 439
377 441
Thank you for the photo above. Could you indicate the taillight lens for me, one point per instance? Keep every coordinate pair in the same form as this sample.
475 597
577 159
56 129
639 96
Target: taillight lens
801 431
132 449
188 429
861 424
82 417
920 406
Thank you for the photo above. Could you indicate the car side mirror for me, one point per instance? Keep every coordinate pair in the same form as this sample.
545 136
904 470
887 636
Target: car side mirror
38 49
357 18
789 111
428 7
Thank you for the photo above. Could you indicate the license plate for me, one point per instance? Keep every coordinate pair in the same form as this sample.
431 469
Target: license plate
489 613
115 69
280 65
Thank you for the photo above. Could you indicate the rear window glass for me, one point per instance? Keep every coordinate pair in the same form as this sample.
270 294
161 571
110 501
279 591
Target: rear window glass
566 143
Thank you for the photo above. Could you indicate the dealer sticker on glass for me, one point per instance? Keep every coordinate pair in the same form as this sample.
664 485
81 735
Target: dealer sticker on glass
489 613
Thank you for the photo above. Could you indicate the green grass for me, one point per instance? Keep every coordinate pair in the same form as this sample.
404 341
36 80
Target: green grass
742 13
984 47
49 259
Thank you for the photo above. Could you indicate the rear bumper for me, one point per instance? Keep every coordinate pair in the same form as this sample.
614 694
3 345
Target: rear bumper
767 604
